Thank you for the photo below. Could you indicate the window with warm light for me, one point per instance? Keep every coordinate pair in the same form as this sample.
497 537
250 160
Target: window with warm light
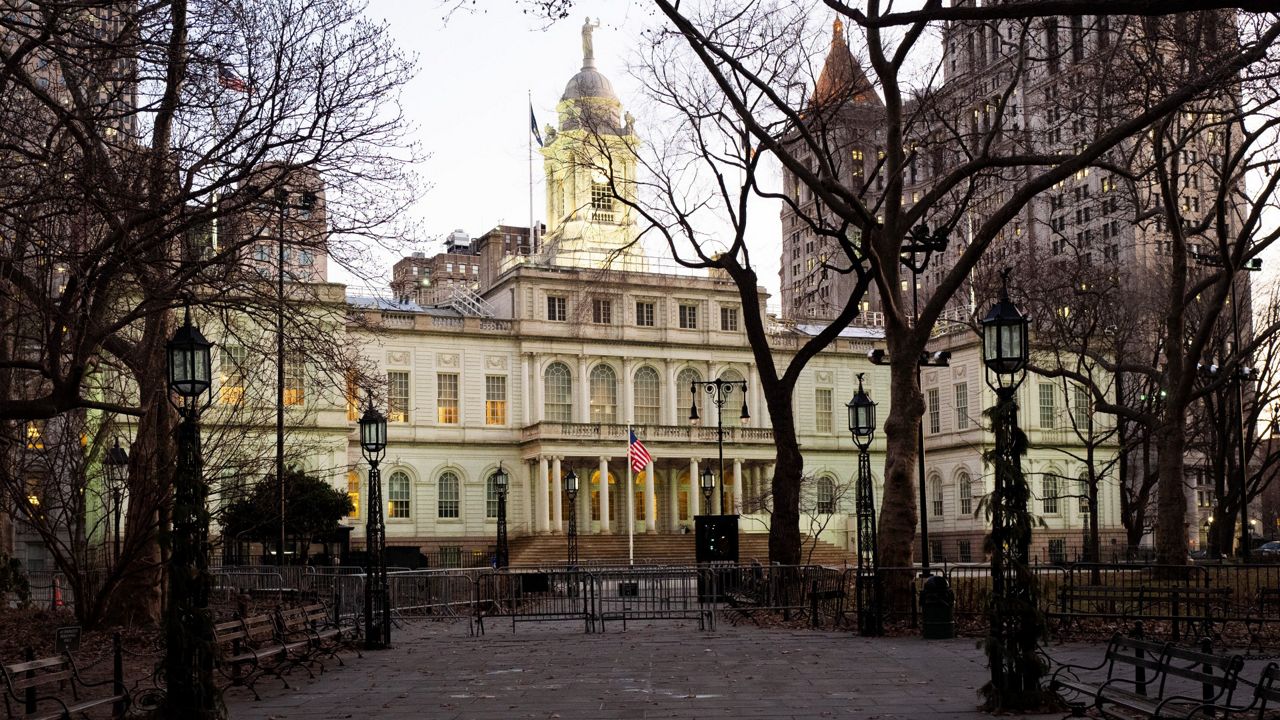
295 381
398 396
398 493
353 492
231 362
353 397
447 398
495 400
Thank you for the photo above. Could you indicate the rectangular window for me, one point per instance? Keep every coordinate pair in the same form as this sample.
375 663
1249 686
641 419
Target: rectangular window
1081 407
689 317
398 396
231 374
729 319
966 551
556 308
295 381
1047 409
495 400
962 406
601 312
449 556
447 398
822 409
644 314
1057 550
935 411
353 492
601 198
353 397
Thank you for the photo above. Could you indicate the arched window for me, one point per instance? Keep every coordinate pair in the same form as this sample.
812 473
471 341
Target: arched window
684 380
398 495
447 495
935 493
826 495
558 386
733 408
646 390
490 498
966 493
604 395
1049 496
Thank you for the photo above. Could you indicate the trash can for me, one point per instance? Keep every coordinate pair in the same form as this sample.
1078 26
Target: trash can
937 606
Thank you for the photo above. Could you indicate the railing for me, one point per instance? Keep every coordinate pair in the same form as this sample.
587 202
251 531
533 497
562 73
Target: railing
615 431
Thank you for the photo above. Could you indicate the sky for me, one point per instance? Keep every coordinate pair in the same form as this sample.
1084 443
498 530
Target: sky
478 72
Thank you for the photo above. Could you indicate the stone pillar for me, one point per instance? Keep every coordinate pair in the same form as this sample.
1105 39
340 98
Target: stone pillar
695 490
671 393
540 498
650 500
628 414
584 392
605 528
525 400
557 496
737 487
537 393
673 501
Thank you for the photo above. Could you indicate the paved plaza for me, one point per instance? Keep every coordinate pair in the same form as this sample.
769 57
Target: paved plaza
662 670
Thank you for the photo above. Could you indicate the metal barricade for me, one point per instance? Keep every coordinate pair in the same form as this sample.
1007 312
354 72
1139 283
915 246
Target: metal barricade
438 594
653 593
535 596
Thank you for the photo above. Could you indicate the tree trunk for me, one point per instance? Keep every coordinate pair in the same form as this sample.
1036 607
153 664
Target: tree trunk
784 526
898 514
1171 498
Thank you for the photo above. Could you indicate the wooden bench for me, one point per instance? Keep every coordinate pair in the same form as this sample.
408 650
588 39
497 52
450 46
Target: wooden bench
249 644
40 683
314 624
1149 692
1195 607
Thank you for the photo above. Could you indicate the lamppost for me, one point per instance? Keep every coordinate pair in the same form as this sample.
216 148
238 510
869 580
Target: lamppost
718 392
117 462
1251 265
708 484
571 492
501 557
1015 633
190 690
862 425
377 600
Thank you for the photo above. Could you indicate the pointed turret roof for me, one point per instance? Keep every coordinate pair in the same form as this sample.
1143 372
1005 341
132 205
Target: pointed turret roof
842 79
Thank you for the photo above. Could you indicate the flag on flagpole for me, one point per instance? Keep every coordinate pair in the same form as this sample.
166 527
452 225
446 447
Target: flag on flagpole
228 78
533 125
638 454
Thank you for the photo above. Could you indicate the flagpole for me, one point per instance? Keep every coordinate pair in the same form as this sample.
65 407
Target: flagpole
631 510
533 233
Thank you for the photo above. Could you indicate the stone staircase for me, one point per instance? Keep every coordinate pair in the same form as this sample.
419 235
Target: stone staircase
657 549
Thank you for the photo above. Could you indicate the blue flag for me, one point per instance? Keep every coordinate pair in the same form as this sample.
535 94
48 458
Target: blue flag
533 125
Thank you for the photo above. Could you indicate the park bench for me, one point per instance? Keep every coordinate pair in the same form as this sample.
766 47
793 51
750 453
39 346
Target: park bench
246 649
1168 681
43 683
313 624
1195 607
1266 692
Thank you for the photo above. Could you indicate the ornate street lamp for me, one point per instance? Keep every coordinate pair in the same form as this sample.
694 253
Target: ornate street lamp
190 690
862 425
708 482
117 465
377 596
571 492
502 556
1016 631
718 392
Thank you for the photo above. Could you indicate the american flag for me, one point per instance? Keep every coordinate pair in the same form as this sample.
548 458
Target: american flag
227 78
639 454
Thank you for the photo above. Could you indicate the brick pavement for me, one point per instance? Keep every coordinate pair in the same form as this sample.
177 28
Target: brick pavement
663 670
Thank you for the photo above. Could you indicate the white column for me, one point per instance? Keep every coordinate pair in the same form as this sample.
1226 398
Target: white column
673 501
584 392
530 491
737 486
536 392
695 490
557 501
650 500
604 496
628 414
540 501
672 393
525 387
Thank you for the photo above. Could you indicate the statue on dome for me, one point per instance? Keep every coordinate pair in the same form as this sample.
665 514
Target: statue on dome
588 51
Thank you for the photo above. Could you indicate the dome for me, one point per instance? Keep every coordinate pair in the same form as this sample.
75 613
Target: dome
589 83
